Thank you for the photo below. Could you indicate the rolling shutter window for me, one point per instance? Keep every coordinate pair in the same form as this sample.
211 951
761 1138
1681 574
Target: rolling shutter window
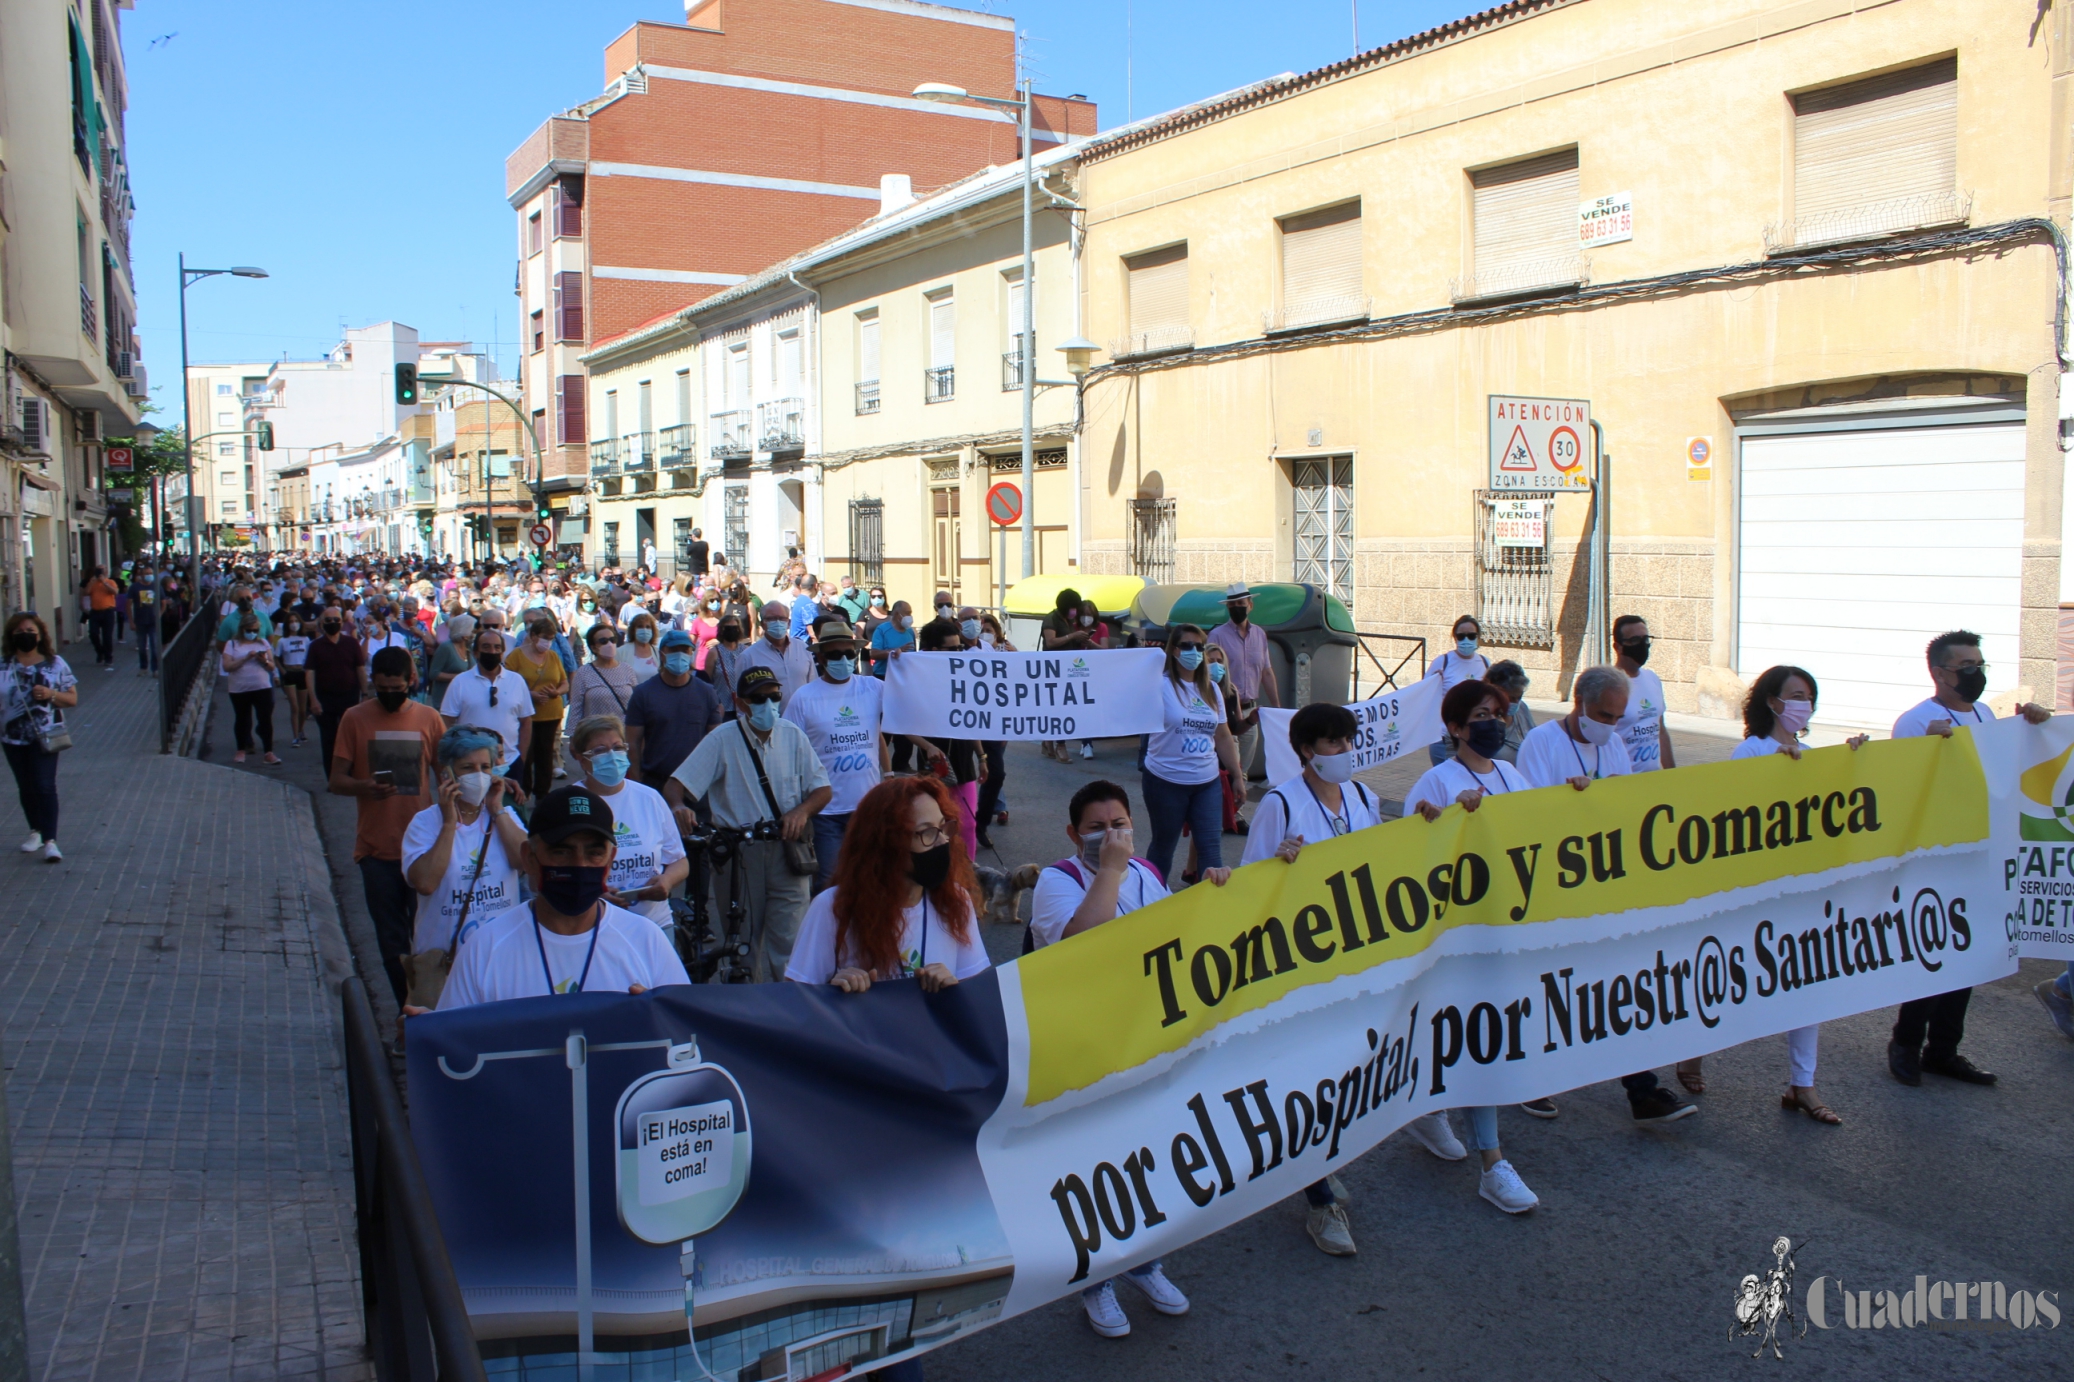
943 332
569 410
868 349
1526 222
568 203
568 289
1159 291
1877 140
1321 259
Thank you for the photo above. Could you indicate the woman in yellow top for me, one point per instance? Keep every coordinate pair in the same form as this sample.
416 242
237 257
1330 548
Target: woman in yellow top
536 660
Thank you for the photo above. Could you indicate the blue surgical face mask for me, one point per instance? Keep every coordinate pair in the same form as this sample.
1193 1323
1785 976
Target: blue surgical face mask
609 767
1216 671
970 628
1189 658
1466 646
840 668
676 664
644 635
763 716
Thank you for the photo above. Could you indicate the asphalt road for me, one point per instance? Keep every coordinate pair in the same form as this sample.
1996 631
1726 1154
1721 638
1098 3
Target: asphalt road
1628 1269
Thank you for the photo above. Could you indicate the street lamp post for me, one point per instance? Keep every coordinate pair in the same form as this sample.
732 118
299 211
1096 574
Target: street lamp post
194 537
1026 341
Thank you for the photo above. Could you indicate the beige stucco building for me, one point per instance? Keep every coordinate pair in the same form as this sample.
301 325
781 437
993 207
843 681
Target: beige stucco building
1811 244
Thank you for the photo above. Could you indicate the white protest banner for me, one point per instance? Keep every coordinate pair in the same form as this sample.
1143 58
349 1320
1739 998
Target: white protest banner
1389 723
1094 694
2032 777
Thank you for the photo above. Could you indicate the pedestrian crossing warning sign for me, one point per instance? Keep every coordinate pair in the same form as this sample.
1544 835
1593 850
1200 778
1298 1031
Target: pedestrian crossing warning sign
1518 453
1538 444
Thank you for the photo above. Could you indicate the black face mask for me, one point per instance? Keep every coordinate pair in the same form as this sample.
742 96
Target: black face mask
1969 682
331 626
1486 736
1637 649
489 662
931 867
729 633
572 889
24 640
392 701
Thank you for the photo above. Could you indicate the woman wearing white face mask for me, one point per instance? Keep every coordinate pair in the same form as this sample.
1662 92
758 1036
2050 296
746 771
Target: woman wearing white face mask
651 863
639 652
1781 702
460 855
1461 663
1179 769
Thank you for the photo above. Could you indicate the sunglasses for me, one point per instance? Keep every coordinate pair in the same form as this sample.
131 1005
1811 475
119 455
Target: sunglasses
1184 647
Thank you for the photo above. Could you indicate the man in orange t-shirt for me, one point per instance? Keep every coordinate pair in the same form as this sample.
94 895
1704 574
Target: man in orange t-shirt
394 737
100 616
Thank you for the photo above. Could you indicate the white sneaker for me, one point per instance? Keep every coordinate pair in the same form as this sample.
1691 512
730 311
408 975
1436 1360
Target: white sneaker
1087 750
1502 1186
561 772
51 854
1433 1132
1103 1313
33 843
1165 1296
1327 1225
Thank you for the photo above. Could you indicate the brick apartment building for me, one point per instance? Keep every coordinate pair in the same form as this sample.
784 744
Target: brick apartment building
720 146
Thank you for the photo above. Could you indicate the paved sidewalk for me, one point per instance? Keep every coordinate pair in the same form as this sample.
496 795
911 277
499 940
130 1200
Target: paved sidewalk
169 1019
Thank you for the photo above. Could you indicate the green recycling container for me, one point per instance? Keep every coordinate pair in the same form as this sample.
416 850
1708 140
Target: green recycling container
1310 634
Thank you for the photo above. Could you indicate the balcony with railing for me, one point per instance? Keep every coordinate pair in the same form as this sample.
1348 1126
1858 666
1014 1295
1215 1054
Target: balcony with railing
940 385
1869 221
89 316
1011 370
1157 340
1304 314
637 452
731 434
605 457
1563 273
678 449
781 424
867 397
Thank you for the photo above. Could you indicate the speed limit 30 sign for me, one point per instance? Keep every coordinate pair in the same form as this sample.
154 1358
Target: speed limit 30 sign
1540 444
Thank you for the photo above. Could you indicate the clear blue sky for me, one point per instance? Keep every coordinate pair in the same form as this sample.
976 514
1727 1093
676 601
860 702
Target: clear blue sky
356 151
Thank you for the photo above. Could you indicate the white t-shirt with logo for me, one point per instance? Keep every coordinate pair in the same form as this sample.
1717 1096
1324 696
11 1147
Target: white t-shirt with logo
1185 752
648 840
1450 779
923 941
498 888
1643 721
841 720
467 702
505 959
1548 755
1059 892
1294 809
1917 719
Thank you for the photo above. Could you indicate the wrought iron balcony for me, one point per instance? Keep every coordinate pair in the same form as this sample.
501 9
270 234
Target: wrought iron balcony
868 398
730 433
781 424
940 385
1158 340
679 447
1011 370
637 452
89 316
605 457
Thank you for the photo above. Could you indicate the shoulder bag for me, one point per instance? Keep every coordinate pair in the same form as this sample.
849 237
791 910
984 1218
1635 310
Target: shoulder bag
426 971
799 854
54 737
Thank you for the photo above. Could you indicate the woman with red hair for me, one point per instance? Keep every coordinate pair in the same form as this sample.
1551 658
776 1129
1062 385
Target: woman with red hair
902 903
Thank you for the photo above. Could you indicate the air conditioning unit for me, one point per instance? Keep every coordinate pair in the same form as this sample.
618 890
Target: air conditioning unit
33 425
125 363
89 424
137 386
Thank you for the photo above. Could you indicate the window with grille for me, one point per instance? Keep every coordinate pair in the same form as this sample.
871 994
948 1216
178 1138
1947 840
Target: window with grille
941 382
868 361
1874 157
1152 539
1324 510
735 521
1321 269
1525 228
1157 289
868 541
1515 582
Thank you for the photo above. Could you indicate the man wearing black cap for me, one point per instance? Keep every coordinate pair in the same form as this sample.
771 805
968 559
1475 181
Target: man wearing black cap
568 939
757 770
839 711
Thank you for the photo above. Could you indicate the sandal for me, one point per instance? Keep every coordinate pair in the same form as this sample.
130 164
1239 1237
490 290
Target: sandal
1689 1076
1821 1113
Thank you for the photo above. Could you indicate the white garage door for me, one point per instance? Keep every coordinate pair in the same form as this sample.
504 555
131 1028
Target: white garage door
1858 548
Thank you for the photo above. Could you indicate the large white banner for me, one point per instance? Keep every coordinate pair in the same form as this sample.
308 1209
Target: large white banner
1391 723
1094 694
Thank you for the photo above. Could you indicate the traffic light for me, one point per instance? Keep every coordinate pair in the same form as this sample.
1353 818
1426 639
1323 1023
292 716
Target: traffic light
545 515
266 436
406 383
